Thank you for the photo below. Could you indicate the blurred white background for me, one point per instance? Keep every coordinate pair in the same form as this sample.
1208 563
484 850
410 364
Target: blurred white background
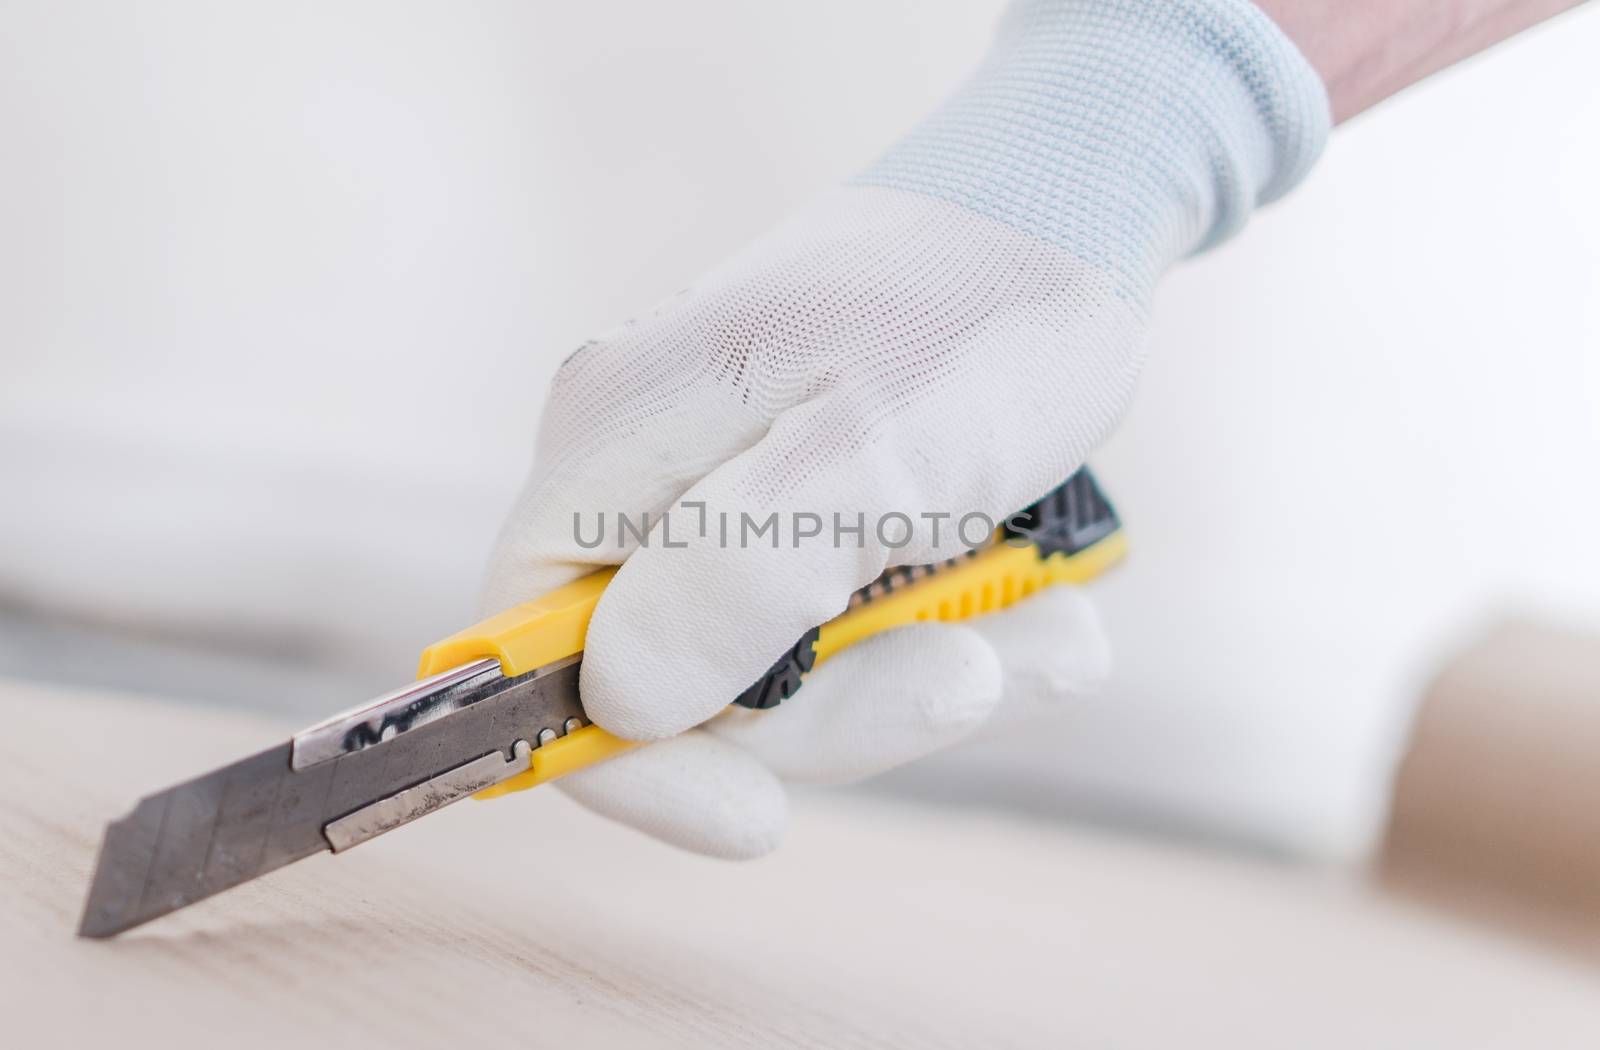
281 287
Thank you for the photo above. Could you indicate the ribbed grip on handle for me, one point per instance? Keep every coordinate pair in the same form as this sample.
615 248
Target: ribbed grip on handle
1069 536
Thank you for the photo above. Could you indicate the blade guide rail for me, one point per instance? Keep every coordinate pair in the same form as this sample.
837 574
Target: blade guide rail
419 800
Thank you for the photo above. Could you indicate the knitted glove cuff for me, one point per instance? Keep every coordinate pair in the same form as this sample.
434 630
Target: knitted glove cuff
1129 132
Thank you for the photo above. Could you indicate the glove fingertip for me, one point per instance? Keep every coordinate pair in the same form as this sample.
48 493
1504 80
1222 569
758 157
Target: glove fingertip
1052 645
698 793
970 678
972 684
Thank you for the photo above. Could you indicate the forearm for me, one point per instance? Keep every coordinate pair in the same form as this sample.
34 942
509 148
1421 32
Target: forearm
1366 50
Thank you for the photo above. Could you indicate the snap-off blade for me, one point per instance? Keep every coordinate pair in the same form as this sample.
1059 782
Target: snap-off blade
262 812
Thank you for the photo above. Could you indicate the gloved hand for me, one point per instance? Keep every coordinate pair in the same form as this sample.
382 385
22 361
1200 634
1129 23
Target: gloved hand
951 332
885 701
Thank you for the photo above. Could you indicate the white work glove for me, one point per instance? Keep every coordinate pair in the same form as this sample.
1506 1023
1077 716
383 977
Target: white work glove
949 333
887 700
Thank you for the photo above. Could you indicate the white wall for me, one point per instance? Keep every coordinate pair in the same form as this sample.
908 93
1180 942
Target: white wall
281 285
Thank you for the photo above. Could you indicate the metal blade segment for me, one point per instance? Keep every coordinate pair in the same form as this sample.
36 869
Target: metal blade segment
259 814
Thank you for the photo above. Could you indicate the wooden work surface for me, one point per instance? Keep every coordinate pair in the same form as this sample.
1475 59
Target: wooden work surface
526 922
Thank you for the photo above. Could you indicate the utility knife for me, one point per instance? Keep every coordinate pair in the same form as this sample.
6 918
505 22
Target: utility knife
496 709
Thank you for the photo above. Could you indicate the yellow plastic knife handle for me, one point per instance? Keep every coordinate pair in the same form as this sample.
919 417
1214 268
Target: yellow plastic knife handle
1070 536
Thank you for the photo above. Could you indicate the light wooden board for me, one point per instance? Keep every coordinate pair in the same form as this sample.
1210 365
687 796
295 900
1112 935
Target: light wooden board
526 922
